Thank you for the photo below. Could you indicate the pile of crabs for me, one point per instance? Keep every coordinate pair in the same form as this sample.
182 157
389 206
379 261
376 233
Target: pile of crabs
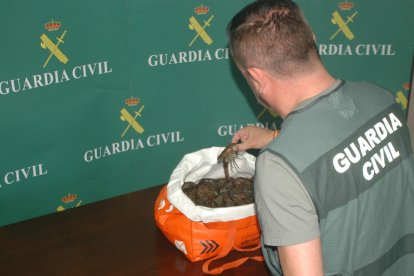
222 192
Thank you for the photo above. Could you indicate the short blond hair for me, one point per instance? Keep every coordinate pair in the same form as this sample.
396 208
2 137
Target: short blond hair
273 35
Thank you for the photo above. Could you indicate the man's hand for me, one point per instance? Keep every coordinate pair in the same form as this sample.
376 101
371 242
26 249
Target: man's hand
253 137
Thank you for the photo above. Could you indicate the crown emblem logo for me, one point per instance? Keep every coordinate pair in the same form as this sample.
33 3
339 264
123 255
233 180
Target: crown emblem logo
47 43
346 6
68 202
200 28
69 198
132 101
201 10
53 25
401 96
131 119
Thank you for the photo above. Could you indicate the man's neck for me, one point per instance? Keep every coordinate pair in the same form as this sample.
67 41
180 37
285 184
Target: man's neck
296 90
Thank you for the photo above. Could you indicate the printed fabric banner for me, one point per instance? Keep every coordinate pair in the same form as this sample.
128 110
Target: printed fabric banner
103 98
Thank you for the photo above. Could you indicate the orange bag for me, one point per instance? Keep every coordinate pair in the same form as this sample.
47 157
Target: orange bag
207 233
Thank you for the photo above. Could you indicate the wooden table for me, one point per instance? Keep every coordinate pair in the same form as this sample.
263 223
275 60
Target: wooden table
117 236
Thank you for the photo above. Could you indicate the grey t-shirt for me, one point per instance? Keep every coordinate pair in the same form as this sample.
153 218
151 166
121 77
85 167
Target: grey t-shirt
285 209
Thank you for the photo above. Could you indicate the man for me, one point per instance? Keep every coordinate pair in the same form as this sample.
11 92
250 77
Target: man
335 189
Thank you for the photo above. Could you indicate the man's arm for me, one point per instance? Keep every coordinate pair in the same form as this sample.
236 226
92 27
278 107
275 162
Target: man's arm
302 259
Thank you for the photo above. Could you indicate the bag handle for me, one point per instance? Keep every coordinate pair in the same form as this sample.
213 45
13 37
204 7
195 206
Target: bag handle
226 249
247 249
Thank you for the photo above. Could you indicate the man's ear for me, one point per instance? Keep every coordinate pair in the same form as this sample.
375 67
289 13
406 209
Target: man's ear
258 75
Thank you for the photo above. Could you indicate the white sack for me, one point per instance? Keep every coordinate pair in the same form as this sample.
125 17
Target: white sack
203 164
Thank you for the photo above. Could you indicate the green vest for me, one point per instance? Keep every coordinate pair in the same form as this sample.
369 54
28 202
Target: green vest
352 151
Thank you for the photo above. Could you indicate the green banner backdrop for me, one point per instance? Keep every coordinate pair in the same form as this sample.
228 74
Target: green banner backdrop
102 98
